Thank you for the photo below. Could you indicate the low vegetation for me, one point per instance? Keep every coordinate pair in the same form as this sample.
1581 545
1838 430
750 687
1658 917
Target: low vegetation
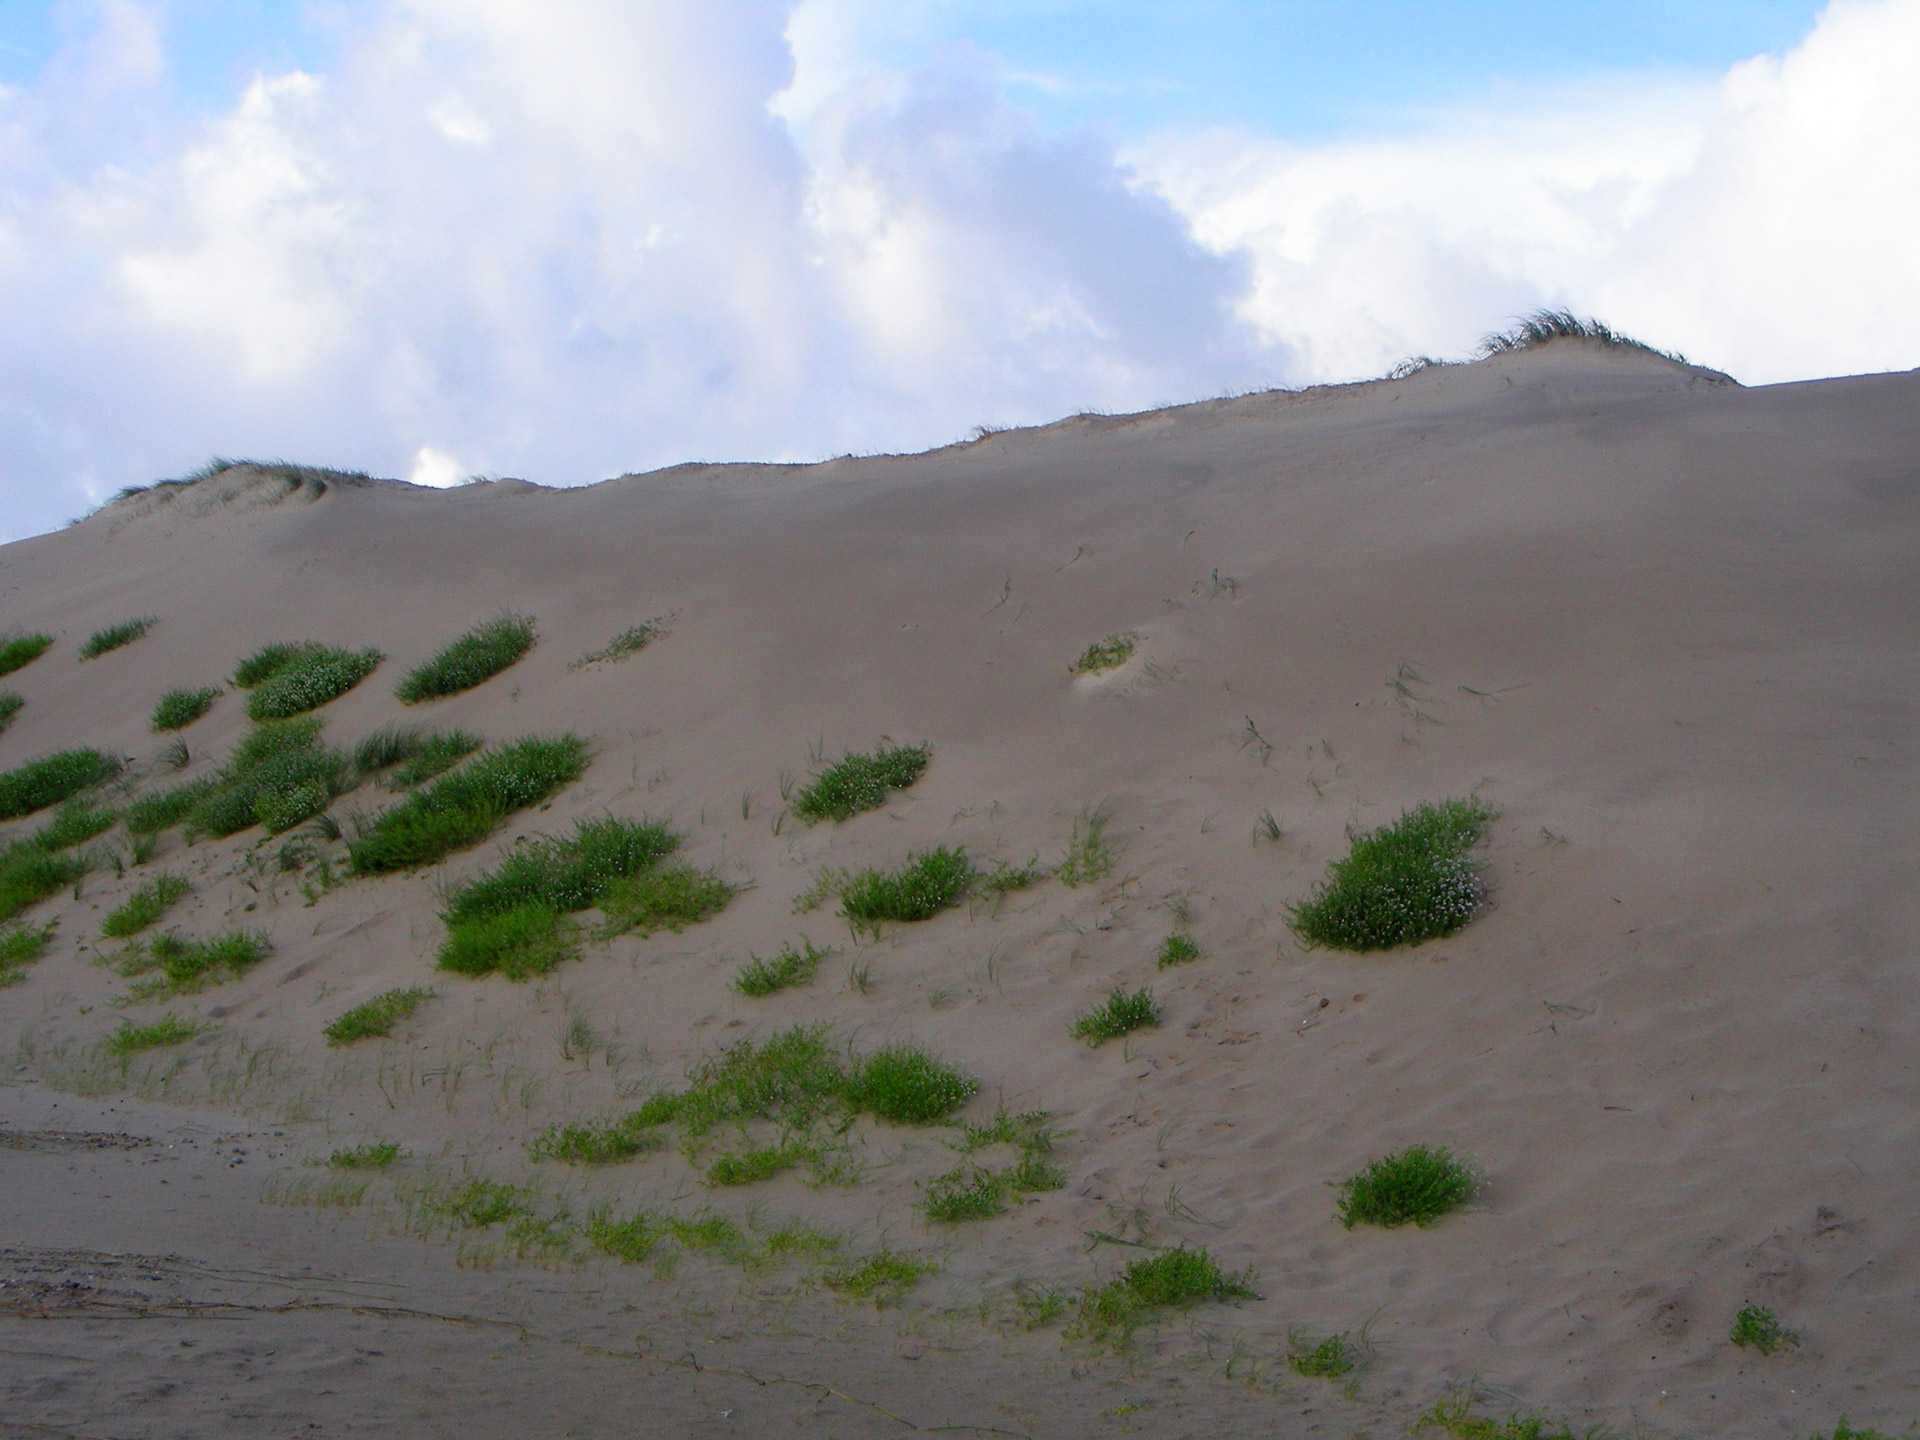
19 650
1406 882
20 946
114 636
671 897
1415 1186
270 660
164 809
793 966
169 1029
1544 326
973 1191
1108 654
928 882
35 868
144 906
278 775
526 941
178 709
1454 1416
309 679
380 1155
596 1143
10 704
882 1276
1758 1328
1331 1358
858 782
1179 948
1121 1013
185 965
1176 1279
376 1017
464 806
477 656
627 642
1090 853
74 823
51 779
412 754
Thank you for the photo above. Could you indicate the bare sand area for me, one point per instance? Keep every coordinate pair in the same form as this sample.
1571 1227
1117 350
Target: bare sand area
1665 624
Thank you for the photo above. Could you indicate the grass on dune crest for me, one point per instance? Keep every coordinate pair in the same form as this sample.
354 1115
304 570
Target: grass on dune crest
308 680
1413 880
1545 326
51 779
19 650
374 1018
1415 1186
178 709
476 657
858 782
464 806
114 636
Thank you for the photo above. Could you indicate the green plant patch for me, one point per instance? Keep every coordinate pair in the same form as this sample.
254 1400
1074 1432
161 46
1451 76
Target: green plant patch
860 782
114 636
51 779
74 823
882 1276
279 775
178 709
908 1086
1331 1358
144 906
1178 948
791 967
930 881
169 1029
380 1156
525 941
1844 1431
464 806
10 704
1454 1416
1406 882
595 1144
164 809
1416 1186
1004 879
567 873
270 660
671 897
19 650
187 965
309 680
374 1018
1758 1328
1121 1013
1090 854
412 754
627 642
749 1167
30 874
20 946
1108 654
970 1192
477 656
1176 1279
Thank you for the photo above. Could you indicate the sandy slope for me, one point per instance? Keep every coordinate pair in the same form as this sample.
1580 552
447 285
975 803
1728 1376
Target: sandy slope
1666 623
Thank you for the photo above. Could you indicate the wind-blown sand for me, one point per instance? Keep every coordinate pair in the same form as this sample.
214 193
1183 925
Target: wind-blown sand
1666 623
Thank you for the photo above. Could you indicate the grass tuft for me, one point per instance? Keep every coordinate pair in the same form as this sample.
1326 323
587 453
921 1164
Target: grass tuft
309 680
1089 856
477 656
144 906
20 946
1544 326
169 1029
595 1144
1178 948
1454 1416
1758 1328
884 1275
19 650
627 642
1406 882
670 897
1121 1013
189 965
464 806
1327 1359
412 753
114 636
378 1156
10 704
269 660
178 709
1180 1278
520 943
51 779
858 782
1108 654
279 775
1416 1186
76 821
790 967
376 1017
908 1086
164 809
930 881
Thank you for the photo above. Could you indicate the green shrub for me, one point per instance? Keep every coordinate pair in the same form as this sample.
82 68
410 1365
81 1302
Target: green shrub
464 806
278 775
1409 881
269 660
790 967
366 1157
187 965
376 1017
860 782
1416 1186
564 874
22 650
10 704
1178 948
309 680
479 655
671 897
169 1029
144 906
114 636
598 1144
164 809
413 753
1121 1013
1108 654
908 1086
1174 1279
20 946
51 779
180 708
1758 1328
520 943
930 881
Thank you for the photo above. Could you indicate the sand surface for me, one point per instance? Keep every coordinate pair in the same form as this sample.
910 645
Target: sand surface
1667 624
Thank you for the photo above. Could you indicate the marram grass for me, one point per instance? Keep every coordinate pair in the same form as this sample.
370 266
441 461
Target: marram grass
858 782
1415 1186
476 657
1406 882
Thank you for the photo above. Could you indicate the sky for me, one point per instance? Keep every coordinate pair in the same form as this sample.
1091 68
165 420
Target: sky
566 239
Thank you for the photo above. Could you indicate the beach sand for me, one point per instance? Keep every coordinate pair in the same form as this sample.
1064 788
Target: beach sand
1665 623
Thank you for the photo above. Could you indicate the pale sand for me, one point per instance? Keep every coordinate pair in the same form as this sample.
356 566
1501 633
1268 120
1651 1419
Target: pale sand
1667 624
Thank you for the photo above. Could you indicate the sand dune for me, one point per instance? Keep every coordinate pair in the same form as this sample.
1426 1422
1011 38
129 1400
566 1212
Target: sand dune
1665 623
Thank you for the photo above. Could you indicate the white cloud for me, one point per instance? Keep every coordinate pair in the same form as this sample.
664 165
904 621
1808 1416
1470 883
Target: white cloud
436 469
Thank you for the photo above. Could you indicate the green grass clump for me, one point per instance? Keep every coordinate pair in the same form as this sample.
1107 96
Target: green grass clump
164 809
19 650
412 753
1089 856
309 680
750 1167
860 782
270 660
1180 1279
278 775
178 709
1758 1328
169 1029
378 1156
521 943
595 1144
1327 1359
10 704
1121 1013
1416 1186
971 1192
376 1017
671 897
627 642
930 881
1178 948
908 1086
1004 879
479 655
1108 654
1844 1431
76 821
51 779
884 1275
464 806
144 906
789 968
114 636
1454 1416
29 874
187 965
20 946
1406 882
